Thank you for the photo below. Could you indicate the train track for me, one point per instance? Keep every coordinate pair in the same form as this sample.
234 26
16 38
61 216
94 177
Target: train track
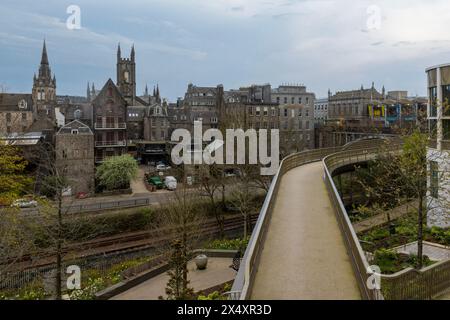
127 242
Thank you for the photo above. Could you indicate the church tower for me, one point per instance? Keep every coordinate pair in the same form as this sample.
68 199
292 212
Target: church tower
44 89
126 75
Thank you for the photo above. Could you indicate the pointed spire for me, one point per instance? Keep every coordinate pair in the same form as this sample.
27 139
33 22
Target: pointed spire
44 58
88 92
133 54
158 98
146 91
119 53
154 91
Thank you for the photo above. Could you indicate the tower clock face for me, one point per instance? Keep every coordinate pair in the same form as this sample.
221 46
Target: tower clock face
22 104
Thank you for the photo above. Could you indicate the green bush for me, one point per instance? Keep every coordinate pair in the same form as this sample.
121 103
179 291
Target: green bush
224 244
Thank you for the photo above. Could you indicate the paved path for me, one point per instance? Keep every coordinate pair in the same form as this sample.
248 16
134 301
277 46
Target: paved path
217 272
434 251
138 185
381 219
304 256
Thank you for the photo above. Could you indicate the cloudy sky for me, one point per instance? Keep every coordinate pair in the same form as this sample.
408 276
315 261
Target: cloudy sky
336 44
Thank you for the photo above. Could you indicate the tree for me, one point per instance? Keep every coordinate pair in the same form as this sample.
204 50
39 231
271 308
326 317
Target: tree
211 181
394 177
182 220
13 180
117 172
178 286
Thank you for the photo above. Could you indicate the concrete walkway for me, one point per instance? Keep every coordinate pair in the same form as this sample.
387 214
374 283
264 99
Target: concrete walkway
217 273
304 256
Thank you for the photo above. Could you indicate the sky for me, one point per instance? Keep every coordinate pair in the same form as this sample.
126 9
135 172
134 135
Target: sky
323 44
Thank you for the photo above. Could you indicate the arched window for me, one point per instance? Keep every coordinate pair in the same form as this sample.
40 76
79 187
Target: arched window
77 114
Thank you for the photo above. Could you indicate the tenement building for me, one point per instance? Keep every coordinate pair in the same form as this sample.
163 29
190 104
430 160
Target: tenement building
439 151
296 115
74 151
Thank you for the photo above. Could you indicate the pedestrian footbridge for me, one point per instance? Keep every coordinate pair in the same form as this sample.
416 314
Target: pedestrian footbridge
303 245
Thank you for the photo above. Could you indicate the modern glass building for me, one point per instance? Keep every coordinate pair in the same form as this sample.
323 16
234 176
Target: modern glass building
439 151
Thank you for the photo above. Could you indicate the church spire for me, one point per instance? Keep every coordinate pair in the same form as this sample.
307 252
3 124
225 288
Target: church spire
158 98
133 54
119 53
44 58
88 92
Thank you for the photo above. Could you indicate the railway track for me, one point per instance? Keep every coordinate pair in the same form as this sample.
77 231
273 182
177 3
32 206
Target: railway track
128 242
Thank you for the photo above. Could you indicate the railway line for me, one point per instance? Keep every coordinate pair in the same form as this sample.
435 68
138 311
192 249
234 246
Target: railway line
127 242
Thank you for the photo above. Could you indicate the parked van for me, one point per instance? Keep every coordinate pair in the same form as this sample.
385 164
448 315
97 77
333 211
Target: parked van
170 183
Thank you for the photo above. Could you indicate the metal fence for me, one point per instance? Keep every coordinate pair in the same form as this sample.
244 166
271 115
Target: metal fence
407 284
116 204
244 278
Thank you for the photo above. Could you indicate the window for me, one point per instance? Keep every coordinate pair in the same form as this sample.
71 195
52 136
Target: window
258 111
8 117
307 125
300 100
285 100
74 131
285 112
250 111
292 113
434 176
278 100
292 100
274 112
266 111
307 100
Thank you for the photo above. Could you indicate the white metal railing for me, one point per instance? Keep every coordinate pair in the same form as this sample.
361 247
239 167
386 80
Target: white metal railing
118 143
110 126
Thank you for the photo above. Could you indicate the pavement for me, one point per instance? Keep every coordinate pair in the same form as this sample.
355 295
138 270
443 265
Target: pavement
304 256
217 273
434 251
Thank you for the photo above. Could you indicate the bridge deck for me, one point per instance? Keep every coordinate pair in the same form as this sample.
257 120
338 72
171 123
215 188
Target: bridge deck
304 255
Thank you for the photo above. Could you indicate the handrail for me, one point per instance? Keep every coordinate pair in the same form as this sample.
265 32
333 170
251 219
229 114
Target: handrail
431 281
247 271
404 285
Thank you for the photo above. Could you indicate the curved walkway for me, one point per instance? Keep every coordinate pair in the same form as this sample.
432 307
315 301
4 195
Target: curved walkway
304 255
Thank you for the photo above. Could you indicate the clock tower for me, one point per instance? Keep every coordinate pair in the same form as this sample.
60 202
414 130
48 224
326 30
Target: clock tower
126 75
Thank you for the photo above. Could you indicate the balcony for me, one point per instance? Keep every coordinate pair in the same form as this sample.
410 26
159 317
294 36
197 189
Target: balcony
110 126
106 144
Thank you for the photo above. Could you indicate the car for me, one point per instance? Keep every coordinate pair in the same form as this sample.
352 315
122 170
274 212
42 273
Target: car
162 167
170 183
24 203
156 181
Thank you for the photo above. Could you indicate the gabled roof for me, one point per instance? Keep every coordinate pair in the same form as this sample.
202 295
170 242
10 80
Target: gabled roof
109 84
75 125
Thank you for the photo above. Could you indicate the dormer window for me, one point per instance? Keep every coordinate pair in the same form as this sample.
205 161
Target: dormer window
75 131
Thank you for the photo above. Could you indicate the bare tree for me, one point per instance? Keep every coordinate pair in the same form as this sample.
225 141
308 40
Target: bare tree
182 220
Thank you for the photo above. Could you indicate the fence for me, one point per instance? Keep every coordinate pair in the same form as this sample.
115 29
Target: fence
117 204
247 271
405 285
